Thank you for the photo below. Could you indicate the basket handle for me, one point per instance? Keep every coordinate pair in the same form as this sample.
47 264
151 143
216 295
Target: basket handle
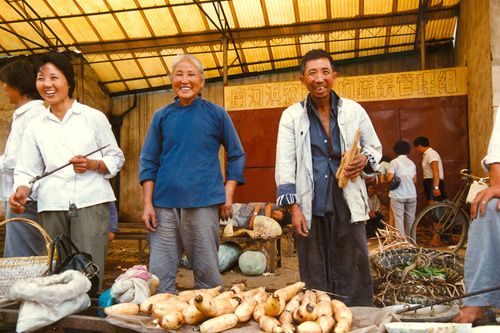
48 241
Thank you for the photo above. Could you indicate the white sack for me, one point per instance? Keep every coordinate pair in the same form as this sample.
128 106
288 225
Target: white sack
48 299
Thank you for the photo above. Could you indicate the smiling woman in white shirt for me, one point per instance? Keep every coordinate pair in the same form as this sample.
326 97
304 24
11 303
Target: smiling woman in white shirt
18 79
74 200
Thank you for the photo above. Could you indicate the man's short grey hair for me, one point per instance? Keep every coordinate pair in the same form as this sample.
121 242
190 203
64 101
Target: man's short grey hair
189 57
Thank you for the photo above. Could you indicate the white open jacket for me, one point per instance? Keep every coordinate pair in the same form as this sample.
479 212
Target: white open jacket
294 169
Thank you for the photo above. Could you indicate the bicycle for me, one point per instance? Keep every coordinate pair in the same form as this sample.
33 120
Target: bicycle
447 220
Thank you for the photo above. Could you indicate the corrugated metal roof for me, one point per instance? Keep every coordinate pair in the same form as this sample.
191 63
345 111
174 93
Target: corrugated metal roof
131 43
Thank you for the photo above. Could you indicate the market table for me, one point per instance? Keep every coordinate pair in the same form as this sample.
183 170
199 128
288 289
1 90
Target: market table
364 318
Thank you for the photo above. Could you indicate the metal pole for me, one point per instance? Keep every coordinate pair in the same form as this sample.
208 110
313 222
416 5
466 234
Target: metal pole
224 60
446 300
45 174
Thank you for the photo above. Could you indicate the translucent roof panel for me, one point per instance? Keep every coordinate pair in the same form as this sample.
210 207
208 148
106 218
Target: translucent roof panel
219 11
80 29
249 13
106 70
312 10
407 5
133 24
372 41
189 17
8 13
107 25
378 7
157 19
344 8
434 28
280 12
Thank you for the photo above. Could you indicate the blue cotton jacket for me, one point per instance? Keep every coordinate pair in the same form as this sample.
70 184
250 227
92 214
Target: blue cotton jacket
181 155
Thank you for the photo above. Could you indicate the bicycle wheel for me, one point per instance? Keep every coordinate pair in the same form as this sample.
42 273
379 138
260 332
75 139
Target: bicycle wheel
438 226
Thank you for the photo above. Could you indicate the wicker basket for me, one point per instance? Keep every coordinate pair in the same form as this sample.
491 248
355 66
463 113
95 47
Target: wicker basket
387 261
392 286
19 268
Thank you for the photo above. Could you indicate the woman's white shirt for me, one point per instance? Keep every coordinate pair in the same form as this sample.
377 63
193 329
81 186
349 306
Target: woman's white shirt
406 170
50 143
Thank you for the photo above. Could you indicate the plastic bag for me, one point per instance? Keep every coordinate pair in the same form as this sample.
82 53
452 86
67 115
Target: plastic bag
475 188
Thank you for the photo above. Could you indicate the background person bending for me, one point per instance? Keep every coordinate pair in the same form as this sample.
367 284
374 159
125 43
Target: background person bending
183 190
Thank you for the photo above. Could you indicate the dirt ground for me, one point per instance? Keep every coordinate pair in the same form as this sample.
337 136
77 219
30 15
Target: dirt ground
124 254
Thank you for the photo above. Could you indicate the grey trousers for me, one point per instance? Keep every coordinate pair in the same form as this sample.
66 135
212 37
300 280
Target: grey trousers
404 214
21 239
194 231
482 259
89 231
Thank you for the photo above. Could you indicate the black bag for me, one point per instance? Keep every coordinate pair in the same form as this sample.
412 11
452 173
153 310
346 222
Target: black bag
78 261
394 183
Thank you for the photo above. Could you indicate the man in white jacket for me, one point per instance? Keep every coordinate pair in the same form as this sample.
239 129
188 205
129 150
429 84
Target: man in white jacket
313 135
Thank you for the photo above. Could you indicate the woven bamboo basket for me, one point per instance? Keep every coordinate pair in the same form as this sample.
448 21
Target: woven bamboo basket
19 268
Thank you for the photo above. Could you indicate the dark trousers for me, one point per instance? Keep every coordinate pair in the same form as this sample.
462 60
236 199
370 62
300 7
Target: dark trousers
334 257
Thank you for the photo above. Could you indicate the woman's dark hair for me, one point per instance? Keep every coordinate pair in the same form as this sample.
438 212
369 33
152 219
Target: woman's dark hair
385 158
62 63
313 55
401 148
421 141
19 75
368 185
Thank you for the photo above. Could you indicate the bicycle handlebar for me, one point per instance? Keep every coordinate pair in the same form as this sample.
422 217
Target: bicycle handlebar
466 173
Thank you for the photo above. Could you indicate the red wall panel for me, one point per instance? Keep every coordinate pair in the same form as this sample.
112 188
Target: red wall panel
442 120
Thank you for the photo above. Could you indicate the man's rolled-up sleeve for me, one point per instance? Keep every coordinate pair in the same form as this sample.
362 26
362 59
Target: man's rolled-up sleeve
369 142
286 163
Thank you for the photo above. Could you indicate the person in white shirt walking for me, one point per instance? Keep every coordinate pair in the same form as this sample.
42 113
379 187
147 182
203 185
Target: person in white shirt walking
74 200
404 197
21 240
432 166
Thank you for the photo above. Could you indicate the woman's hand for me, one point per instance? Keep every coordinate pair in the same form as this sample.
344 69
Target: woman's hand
299 224
82 164
148 210
149 217
18 199
226 209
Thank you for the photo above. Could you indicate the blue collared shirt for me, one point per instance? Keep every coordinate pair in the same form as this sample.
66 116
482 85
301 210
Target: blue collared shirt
181 155
325 164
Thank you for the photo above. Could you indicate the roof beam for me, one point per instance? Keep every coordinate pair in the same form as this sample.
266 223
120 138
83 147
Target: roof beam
276 60
110 11
265 33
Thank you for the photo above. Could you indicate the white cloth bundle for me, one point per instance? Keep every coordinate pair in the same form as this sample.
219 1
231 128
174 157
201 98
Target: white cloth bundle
134 286
50 298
